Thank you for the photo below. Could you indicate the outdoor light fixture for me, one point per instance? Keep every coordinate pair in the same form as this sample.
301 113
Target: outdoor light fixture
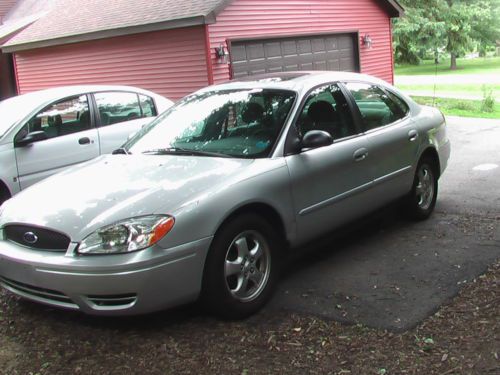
221 53
367 41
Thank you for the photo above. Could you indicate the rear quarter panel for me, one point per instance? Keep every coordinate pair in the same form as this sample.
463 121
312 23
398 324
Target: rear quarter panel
432 127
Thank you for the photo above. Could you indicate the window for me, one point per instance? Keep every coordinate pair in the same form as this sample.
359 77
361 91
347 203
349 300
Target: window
376 107
117 107
147 106
327 109
64 117
403 107
241 123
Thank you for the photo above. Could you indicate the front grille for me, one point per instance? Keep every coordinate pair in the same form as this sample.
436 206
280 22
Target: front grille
39 294
36 237
120 300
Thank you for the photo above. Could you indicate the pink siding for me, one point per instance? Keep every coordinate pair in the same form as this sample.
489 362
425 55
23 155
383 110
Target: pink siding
262 18
171 62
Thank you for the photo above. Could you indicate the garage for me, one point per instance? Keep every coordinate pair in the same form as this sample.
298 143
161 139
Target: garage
176 47
316 52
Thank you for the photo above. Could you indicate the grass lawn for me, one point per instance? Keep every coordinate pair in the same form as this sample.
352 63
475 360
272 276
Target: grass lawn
488 65
459 107
453 89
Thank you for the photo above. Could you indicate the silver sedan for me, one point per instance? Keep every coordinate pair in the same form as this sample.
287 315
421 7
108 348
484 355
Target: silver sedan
207 200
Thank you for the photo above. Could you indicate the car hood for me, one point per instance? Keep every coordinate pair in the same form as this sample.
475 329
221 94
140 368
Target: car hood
114 187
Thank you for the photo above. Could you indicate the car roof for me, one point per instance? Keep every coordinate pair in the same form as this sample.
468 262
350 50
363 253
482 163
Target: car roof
55 92
296 81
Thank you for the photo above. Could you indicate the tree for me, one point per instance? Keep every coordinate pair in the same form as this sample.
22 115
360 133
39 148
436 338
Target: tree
453 25
418 31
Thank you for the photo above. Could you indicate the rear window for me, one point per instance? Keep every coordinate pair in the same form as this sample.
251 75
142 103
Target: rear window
376 107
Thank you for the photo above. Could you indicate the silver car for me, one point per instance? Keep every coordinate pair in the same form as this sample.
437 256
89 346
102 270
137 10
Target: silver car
207 200
46 131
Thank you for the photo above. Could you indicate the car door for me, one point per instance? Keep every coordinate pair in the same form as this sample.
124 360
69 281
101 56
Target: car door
120 115
392 138
68 139
329 184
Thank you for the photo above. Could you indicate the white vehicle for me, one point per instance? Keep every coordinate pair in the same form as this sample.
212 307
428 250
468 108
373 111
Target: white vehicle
44 132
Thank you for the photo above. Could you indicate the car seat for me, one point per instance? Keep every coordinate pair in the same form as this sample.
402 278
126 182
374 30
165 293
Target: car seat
323 117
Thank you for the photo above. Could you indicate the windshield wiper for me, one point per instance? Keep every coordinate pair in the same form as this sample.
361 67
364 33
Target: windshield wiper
184 151
120 151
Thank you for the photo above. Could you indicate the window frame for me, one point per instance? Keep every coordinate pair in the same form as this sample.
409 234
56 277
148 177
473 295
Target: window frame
293 130
358 112
90 104
98 122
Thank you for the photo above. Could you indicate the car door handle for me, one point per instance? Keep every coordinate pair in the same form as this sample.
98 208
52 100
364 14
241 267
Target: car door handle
412 135
84 141
360 154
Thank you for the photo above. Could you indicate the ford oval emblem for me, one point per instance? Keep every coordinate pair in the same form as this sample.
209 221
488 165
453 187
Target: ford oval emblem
30 237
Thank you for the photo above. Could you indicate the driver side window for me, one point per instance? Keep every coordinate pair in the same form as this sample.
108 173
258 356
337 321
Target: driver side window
67 116
326 109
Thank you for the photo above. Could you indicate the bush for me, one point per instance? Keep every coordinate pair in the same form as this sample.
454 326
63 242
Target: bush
488 102
465 105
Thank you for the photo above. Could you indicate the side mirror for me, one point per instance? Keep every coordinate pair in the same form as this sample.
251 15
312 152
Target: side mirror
30 138
316 139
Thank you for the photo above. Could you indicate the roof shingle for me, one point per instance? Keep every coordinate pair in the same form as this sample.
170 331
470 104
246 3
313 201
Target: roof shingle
76 17
72 21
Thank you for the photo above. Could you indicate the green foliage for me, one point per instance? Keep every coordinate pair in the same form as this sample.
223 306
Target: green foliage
454 26
488 103
455 107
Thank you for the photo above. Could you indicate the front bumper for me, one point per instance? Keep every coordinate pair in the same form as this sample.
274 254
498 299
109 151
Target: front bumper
125 284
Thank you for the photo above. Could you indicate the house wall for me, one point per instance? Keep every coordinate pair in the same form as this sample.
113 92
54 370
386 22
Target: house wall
170 62
252 18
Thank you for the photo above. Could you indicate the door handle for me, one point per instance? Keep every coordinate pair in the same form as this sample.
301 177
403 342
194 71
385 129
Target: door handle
412 135
84 141
360 154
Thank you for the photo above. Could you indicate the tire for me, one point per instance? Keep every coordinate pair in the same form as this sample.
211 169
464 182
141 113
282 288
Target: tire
242 267
422 198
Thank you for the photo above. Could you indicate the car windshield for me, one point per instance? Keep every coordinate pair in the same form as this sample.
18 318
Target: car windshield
242 123
14 109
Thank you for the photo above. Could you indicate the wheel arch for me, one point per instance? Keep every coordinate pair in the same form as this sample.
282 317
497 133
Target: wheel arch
4 192
264 210
431 153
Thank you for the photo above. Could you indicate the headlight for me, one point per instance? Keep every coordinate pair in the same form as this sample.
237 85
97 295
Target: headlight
128 235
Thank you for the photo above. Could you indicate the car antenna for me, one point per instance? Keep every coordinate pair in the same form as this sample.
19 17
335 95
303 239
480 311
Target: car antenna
436 63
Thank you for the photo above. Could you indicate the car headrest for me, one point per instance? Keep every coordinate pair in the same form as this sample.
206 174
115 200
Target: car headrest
252 113
321 111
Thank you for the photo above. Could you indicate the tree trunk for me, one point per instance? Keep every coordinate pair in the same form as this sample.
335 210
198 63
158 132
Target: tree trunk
453 65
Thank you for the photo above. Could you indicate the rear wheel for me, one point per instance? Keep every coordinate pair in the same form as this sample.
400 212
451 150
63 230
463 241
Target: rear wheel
422 198
241 268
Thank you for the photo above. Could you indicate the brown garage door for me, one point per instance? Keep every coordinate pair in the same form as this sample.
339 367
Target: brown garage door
319 52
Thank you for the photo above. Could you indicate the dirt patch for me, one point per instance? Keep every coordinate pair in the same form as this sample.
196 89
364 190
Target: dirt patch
463 337
9 352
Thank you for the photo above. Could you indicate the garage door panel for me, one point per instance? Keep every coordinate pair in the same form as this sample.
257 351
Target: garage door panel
305 47
239 53
345 42
255 52
331 44
289 48
320 65
346 65
319 45
333 65
273 50
322 52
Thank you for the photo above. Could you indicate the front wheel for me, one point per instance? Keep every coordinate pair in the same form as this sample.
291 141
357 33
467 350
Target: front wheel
422 198
241 267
